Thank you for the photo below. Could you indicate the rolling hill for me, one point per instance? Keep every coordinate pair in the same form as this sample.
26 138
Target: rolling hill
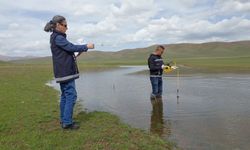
9 58
221 55
181 52
2 62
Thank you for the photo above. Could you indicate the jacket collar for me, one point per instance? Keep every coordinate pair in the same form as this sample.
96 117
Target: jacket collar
58 32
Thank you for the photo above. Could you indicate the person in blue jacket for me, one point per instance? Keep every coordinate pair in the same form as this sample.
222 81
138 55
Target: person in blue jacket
65 67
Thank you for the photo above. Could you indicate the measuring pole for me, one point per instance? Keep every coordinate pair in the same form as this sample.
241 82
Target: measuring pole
177 83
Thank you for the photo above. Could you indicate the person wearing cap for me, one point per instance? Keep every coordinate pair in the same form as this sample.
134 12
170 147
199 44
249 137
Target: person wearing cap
65 67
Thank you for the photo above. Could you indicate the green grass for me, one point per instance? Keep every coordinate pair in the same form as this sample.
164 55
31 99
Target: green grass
29 118
3 63
237 65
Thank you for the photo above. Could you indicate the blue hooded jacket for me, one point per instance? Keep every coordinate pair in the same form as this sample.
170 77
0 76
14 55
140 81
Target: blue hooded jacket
64 60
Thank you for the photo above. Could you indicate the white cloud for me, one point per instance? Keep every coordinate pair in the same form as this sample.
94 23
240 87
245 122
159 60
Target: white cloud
175 30
87 9
122 24
129 14
232 6
14 26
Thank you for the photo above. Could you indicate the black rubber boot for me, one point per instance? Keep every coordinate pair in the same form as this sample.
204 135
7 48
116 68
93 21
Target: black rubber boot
72 126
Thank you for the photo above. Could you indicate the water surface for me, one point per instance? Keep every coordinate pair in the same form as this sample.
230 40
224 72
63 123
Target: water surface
213 112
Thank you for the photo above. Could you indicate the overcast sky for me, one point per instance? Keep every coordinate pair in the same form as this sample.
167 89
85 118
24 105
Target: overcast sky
120 24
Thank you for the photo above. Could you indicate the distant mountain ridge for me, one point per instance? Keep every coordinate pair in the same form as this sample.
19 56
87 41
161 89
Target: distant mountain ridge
173 51
9 58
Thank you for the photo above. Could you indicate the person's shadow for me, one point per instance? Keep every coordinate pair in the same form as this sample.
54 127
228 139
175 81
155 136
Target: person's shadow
157 122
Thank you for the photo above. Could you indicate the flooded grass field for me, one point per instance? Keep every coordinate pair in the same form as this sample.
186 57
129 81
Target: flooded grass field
212 111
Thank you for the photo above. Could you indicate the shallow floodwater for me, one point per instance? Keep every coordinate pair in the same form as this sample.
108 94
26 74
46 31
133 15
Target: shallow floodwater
213 112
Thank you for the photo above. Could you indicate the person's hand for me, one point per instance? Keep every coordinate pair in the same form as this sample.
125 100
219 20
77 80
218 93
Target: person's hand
90 46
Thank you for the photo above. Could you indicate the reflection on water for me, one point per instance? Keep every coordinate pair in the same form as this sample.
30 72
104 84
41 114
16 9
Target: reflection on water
212 112
157 122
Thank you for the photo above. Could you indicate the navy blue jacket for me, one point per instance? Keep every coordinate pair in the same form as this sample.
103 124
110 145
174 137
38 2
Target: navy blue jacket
64 61
155 63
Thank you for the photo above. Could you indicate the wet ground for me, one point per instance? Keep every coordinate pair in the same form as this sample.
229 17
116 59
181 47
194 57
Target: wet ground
213 111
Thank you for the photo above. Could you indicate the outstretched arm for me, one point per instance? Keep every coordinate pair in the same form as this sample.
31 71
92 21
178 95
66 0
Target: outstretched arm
62 42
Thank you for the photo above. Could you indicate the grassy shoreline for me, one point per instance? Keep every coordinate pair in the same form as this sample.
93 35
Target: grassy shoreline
29 118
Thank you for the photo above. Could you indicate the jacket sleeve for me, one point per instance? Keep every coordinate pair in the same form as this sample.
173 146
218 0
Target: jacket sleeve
62 42
153 65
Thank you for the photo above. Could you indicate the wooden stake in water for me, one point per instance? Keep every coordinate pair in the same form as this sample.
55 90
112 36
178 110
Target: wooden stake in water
178 84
